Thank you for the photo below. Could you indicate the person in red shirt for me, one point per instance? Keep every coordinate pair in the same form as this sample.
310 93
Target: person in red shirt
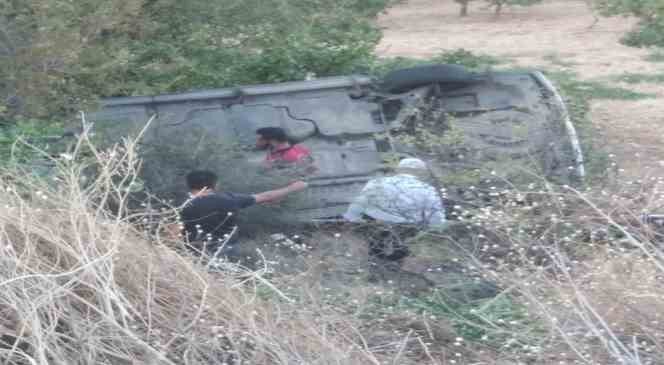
281 153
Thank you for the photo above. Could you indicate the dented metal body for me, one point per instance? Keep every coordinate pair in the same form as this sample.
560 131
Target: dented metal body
345 122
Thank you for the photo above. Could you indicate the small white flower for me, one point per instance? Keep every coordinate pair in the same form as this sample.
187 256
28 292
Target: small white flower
66 156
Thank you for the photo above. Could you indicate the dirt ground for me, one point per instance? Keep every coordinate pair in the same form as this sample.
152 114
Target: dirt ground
556 34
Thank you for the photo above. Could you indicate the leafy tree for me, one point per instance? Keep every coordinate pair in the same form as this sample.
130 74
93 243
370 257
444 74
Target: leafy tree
47 44
57 56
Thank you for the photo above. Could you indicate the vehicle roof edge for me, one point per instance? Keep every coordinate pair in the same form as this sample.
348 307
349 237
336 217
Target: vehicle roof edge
246 90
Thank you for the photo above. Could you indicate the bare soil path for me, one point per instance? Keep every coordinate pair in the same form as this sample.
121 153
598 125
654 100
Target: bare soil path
553 35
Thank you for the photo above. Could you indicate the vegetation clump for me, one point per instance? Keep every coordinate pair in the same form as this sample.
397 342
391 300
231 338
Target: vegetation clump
58 56
650 30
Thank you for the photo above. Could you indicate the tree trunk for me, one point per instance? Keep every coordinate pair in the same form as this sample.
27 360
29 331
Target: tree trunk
499 7
464 8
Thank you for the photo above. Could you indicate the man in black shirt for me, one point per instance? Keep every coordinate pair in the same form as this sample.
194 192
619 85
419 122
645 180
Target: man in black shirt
208 218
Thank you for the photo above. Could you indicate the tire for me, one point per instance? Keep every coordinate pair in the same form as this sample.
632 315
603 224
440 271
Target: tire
409 78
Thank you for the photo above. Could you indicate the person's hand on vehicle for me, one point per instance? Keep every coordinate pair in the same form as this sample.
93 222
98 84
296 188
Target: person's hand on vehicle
298 186
279 194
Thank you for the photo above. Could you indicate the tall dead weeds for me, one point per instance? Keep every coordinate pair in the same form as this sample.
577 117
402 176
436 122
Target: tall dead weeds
82 284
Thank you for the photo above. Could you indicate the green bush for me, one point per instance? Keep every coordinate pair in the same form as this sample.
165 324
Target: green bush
28 140
466 58
637 78
645 35
72 53
279 59
656 56
460 56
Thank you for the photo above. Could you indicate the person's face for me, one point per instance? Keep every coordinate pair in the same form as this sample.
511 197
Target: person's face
261 142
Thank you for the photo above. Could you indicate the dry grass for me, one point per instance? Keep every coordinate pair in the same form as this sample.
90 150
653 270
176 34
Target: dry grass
80 285
588 270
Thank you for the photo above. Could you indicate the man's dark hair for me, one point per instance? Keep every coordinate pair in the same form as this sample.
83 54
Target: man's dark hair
201 179
274 133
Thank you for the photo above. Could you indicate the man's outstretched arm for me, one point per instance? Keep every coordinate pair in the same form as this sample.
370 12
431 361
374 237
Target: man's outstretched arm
274 195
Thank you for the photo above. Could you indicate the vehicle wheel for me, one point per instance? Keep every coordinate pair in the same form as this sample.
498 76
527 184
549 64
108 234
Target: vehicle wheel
408 78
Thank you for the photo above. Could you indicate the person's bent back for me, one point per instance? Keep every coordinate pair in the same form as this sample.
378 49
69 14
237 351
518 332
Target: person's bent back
209 216
402 198
395 209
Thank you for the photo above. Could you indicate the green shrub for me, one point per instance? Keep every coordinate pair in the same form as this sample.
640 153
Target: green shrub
74 52
646 34
488 320
655 56
498 322
466 58
460 56
637 78
30 142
